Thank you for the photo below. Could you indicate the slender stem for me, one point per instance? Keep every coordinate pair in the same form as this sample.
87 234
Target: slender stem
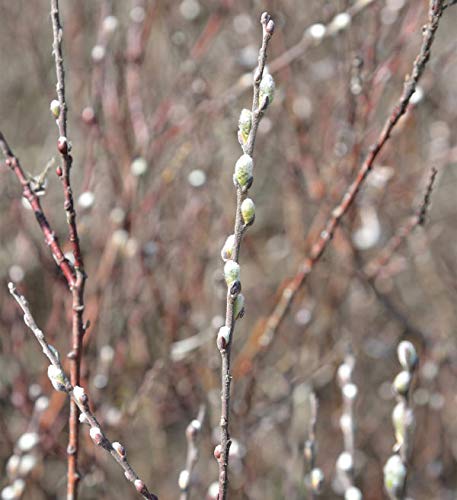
192 434
276 317
248 149
82 402
75 354
29 194
374 267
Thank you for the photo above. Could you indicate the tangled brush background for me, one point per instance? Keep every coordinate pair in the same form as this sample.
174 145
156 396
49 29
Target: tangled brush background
154 93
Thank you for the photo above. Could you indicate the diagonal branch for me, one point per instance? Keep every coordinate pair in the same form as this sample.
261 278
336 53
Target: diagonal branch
77 394
277 316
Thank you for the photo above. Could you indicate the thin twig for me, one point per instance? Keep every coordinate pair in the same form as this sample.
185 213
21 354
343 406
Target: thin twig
276 317
192 434
233 292
29 194
374 267
79 397
77 290
315 475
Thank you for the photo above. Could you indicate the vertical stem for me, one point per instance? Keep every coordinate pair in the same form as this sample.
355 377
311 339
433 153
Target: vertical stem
77 289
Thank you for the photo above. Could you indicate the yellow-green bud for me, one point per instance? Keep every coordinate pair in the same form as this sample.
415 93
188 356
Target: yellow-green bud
316 479
394 475
248 211
227 249
267 89
238 310
231 272
403 422
244 125
55 108
243 171
402 383
57 378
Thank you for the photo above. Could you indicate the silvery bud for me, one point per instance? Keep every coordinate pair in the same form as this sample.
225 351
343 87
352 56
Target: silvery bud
353 493
349 391
57 378
119 449
407 355
139 485
244 125
96 435
227 249
267 90
344 374
402 383
238 310
79 394
243 171
223 337
55 108
184 480
248 211
316 479
345 462
12 466
28 441
231 272
394 475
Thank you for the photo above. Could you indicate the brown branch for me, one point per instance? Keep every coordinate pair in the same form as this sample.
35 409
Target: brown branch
374 267
77 394
77 290
233 293
29 194
276 317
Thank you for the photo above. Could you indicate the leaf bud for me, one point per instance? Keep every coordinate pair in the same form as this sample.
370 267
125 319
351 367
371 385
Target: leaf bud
57 378
266 90
55 108
223 337
248 211
407 355
227 249
402 383
244 125
243 171
96 435
231 272
394 475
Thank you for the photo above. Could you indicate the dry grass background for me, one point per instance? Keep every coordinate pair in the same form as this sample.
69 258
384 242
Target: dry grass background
152 242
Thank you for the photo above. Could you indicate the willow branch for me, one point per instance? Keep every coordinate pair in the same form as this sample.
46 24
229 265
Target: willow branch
235 301
77 394
277 316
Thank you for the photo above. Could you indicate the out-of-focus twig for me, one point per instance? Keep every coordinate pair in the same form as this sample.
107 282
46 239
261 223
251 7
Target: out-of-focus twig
374 267
192 434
